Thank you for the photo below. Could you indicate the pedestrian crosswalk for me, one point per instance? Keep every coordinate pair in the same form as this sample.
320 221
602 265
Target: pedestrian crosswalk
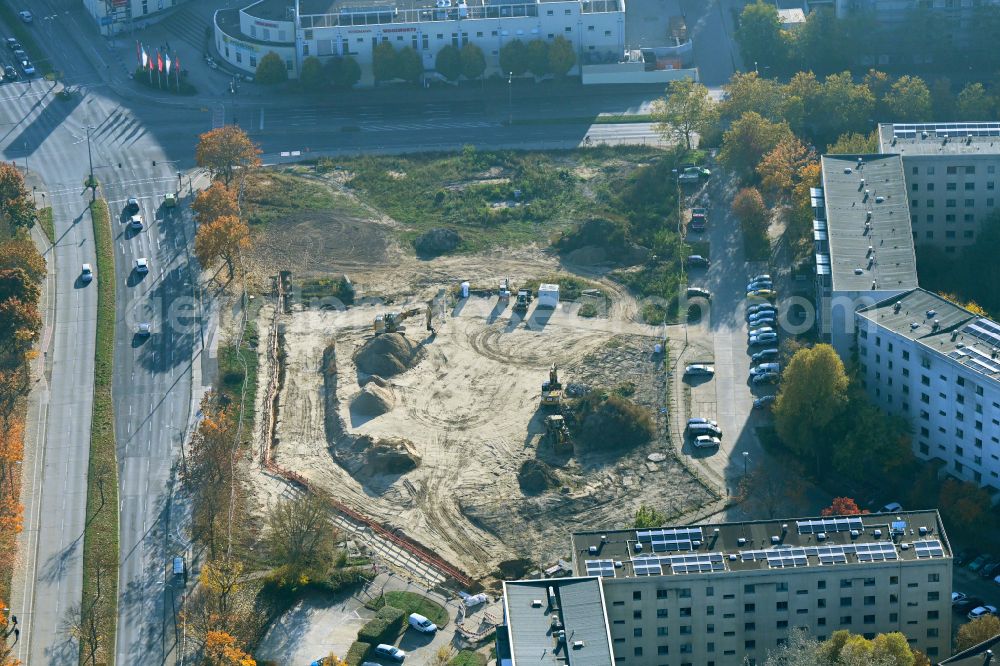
425 125
218 116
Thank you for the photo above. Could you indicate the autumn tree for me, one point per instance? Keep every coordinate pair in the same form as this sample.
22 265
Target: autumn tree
514 58
221 650
686 110
225 150
964 505
300 538
842 506
16 208
215 202
747 139
562 56
749 208
647 516
853 143
800 217
813 393
537 57
271 69
448 62
761 40
909 100
222 238
20 325
778 168
6 649
747 91
21 253
975 632
221 578
15 283
85 625
14 383
473 61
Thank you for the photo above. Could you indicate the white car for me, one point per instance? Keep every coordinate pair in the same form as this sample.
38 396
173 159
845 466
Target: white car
135 221
759 308
763 339
422 624
87 273
26 16
958 597
706 441
761 319
982 611
759 330
390 651
142 265
701 421
143 330
699 369
762 277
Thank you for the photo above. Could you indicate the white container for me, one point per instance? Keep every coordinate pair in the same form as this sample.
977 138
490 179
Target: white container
465 290
657 348
548 296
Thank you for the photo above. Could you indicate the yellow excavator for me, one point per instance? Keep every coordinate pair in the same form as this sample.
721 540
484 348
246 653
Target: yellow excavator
392 322
552 390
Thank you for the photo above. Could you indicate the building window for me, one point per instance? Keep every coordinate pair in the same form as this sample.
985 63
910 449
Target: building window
636 595
845 619
970 203
748 589
970 171
915 187
253 60
950 203
949 218
749 626
662 649
661 612
749 608
709 591
970 186
661 631
821 585
686 629
686 612
845 602
749 645
951 186
782 606
637 651
684 593
637 615
952 170
870 601
915 171
869 619
821 603
932 615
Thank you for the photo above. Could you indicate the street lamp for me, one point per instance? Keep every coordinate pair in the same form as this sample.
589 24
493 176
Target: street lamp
90 161
746 457
510 111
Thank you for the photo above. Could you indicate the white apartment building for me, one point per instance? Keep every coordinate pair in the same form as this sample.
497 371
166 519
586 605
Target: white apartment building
115 16
864 249
713 595
951 172
938 366
296 29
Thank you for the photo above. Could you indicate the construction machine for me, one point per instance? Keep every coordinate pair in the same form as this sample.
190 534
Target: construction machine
552 390
504 289
523 299
557 432
392 322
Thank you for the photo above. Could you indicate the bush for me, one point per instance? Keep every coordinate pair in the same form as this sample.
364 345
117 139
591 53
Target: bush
328 288
343 72
612 235
411 602
654 314
271 69
468 658
357 653
164 83
609 422
587 310
384 627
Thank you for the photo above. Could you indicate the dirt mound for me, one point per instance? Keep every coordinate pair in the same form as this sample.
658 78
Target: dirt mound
535 476
387 355
436 241
374 379
373 400
387 456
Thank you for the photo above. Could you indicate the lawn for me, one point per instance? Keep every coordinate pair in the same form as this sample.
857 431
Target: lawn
468 658
46 223
274 196
237 364
411 602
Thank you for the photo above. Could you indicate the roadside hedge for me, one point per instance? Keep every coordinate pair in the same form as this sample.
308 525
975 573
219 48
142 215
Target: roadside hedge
356 654
384 627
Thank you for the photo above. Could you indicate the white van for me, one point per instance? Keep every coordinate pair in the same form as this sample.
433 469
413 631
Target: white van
422 624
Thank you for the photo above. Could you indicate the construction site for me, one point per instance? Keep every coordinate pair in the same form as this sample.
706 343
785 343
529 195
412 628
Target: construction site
444 413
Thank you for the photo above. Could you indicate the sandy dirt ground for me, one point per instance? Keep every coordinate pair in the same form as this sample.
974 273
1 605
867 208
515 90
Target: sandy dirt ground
470 407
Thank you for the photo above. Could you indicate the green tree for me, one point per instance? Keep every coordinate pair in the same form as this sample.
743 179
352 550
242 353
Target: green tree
747 92
343 72
892 649
562 57
853 144
822 45
448 62
761 39
537 56
647 516
747 139
271 69
974 103
943 103
799 650
686 110
879 84
777 169
749 208
514 58
813 393
844 106
977 631
385 64
312 77
473 61
871 445
300 539
909 100
16 283
411 67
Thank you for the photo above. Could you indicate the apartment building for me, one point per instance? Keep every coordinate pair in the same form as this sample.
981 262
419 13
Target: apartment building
864 249
937 365
716 594
115 16
951 172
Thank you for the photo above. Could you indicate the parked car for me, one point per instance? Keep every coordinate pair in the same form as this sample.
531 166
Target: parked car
390 651
26 16
142 265
979 562
144 329
699 219
13 44
10 73
762 319
892 507
764 401
698 292
765 378
764 355
706 441
759 330
422 624
27 67
693 174
765 367
759 284
704 429
762 293
697 260
131 206
697 421
761 307
967 604
763 339
86 273
19 54
965 556
699 369
169 200
762 276
982 611
957 597
990 570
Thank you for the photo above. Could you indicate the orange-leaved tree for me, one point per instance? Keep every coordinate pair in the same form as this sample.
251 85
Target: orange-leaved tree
21 253
221 650
842 506
778 168
225 150
16 207
20 325
214 202
222 238
6 649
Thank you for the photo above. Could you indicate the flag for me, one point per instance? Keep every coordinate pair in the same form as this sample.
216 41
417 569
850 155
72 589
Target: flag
138 52
168 64
145 57
159 62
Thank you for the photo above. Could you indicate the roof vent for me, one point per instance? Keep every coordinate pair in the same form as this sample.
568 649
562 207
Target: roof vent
732 557
879 199
716 531
741 542
592 550
937 324
930 313
848 170
618 564
904 546
878 534
868 215
578 645
871 249
821 536
784 527
923 135
696 544
922 530
873 285
536 603
855 534
638 547
604 537
775 539
860 160
914 325
862 185
858 271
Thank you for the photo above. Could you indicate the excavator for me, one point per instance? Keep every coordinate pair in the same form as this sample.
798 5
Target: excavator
392 322
557 432
552 390
523 299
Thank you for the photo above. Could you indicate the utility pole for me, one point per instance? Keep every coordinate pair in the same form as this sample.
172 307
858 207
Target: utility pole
510 110
90 161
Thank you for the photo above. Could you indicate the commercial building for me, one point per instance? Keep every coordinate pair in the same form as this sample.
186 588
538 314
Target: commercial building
115 16
864 249
951 172
716 594
296 29
937 365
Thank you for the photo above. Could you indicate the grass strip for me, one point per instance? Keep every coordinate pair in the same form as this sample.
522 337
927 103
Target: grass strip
46 223
100 540
622 119
25 34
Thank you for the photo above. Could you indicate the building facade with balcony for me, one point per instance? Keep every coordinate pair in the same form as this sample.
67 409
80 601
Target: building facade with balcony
116 16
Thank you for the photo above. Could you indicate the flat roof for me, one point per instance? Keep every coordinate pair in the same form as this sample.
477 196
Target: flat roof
881 252
534 623
272 10
910 139
943 327
769 544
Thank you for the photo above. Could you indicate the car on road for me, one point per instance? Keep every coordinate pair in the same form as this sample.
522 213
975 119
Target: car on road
169 200
699 421
979 562
698 292
422 624
759 284
764 355
759 308
967 604
86 273
178 566
982 611
144 329
957 597
135 222
27 67
763 339
13 44
19 54
765 378
142 265
131 206
10 73
697 260
26 16
697 429
699 369
699 219
763 401
390 651
706 441
762 293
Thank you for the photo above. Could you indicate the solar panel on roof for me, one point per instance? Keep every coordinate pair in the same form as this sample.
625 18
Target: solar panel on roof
928 548
780 558
875 552
604 568
826 525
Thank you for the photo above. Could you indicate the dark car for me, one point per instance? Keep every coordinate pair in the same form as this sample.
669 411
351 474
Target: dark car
10 73
967 604
697 260
967 555
13 44
990 570
764 355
